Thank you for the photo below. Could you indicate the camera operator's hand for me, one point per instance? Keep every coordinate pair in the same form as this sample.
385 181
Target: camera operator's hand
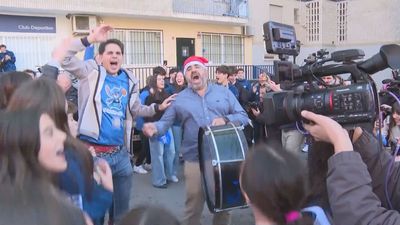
7 57
325 129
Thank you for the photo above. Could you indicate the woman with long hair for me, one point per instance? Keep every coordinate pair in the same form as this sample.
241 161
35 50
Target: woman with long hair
274 184
9 82
32 148
90 191
178 85
162 149
394 126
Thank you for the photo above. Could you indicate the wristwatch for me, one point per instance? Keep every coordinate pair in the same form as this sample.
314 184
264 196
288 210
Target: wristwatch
85 41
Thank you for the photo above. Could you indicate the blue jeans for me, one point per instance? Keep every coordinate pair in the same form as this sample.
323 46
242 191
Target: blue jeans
177 131
162 160
122 174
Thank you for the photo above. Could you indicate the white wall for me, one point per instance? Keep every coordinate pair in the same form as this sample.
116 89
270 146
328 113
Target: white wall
371 21
259 13
31 49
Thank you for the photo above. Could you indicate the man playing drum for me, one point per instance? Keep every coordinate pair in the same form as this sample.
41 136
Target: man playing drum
202 104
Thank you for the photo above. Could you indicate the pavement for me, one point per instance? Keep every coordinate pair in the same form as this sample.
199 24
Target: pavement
173 199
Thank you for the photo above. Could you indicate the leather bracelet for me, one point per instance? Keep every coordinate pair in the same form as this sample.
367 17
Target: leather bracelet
85 41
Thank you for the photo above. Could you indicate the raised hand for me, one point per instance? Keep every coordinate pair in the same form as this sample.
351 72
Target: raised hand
167 102
61 50
99 34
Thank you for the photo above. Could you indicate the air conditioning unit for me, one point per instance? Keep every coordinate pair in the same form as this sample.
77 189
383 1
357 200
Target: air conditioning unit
247 31
83 24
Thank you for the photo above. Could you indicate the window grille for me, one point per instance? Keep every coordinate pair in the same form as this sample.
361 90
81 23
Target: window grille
223 48
313 21
142 47
31 51
341 9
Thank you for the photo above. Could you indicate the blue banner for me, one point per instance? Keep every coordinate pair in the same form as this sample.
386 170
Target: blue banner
27 24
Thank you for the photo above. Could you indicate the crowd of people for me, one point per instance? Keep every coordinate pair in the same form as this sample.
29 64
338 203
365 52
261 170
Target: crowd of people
65 145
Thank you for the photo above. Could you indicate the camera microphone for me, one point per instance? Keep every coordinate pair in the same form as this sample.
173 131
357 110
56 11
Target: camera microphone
390 81
387 81
347 55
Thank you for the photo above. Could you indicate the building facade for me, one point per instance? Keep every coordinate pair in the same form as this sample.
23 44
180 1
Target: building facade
154 32
329 24
224 31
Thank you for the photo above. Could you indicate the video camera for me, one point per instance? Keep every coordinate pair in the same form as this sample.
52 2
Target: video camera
356 103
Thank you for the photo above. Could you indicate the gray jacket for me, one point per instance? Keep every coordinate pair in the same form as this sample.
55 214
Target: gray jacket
354 197
92 77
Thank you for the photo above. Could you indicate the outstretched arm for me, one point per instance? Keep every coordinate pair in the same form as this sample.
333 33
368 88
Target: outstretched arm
348 182
64 54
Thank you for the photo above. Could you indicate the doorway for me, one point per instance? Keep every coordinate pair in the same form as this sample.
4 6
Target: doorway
184 49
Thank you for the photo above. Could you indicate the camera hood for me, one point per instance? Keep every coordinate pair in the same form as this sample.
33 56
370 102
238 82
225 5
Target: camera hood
388 56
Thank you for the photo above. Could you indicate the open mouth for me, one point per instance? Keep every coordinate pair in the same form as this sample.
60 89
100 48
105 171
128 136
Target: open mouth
195 77
114 64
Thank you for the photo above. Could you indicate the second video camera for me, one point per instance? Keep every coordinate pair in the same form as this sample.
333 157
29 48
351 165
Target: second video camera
356 103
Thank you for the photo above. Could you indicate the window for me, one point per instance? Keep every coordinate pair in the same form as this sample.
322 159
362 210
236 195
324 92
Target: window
142 47
223 49
341 12
313 21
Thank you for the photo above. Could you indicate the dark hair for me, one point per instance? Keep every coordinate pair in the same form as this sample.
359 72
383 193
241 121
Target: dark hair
158 70
396 108
36 203
232 70
9 82
173 70
3 46
158 95
149 215
102 46
223 69
392 123
274 180
28 71
19 147
45 96
318 155
239 69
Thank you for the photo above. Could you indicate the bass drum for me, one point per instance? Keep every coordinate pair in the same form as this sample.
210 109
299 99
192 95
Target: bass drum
222 149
